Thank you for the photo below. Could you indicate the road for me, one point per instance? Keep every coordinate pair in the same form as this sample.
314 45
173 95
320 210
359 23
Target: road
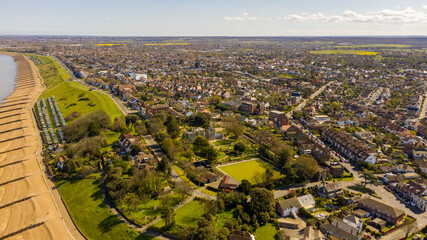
423 108
312 96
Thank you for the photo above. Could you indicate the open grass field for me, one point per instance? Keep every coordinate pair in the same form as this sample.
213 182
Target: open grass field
266 232
72 96
188 215
51 71
248 170
92 217
344 52
377 46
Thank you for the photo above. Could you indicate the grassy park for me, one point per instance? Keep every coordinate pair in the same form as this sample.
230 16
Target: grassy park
248 170
93 217
72 96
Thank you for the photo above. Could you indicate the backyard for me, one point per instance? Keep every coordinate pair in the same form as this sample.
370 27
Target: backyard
249 170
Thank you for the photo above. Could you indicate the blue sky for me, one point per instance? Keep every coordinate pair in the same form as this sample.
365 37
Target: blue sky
214 17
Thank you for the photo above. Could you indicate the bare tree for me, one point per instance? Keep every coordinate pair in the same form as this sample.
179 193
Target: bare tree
409 228
183 189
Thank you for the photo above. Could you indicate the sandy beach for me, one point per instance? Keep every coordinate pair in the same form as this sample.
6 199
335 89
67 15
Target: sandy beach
27 207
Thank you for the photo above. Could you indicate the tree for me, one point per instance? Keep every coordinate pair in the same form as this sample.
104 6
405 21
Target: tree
239 147
268 176
210 153
200 143
119 125
163 164
215 100
233 126
135 148
172 127
168 215
262 200
369 178
140 129
409 228
183 189
245 187
131 119
201 120
306 167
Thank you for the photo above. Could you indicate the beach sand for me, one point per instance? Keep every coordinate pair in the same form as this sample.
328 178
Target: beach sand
27 207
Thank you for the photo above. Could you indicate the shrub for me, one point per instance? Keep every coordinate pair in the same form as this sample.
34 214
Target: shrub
90 123
72 116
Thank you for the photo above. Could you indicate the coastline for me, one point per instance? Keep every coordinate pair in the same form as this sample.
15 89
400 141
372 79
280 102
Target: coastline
27 205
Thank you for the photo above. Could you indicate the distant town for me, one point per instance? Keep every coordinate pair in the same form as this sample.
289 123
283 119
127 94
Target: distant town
234 138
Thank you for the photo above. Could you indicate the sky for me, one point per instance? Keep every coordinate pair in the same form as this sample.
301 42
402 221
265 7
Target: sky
213 17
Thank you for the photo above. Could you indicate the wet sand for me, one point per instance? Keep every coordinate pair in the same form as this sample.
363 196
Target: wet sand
27 208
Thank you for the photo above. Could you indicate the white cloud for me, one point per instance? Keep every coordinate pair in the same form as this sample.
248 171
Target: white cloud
234 19
407 15
107 19
245 13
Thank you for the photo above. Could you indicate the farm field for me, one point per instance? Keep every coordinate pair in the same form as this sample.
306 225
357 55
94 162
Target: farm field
377 46
248 170
93 217
344 52
165 44
72 96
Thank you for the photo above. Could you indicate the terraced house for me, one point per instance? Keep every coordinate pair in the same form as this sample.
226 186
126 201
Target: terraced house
381 210
414 191
349 146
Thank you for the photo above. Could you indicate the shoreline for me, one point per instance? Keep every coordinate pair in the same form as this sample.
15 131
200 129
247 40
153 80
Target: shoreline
28 210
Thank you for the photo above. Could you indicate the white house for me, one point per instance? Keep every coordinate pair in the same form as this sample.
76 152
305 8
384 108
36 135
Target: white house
292 206
287 207
372 159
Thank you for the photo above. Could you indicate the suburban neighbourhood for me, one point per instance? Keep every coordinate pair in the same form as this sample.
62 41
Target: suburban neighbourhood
235 139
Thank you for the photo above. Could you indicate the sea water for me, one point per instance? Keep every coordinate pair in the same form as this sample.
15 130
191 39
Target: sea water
7 76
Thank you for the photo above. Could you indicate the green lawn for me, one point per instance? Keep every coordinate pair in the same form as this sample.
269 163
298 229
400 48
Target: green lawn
188 215
51 71
344 52
148 210
72 96
85 202
248 170
266 232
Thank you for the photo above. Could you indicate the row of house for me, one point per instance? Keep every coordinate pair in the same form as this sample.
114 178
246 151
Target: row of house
349 146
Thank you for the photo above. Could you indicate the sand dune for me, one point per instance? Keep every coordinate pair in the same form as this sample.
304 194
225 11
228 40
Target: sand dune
27 209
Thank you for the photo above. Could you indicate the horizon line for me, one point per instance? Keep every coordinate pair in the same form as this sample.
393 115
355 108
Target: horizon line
210 36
